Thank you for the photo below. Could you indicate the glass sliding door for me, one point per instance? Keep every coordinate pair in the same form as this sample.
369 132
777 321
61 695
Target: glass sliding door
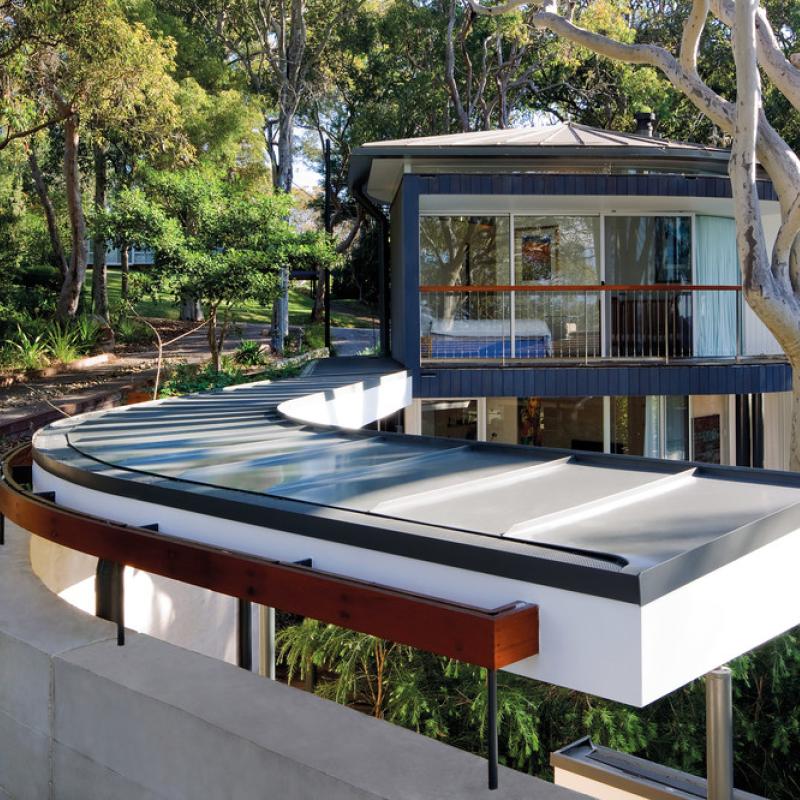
456 253
556 251
643 251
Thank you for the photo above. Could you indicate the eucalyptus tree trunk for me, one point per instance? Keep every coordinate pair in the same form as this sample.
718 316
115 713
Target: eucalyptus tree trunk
99 266
70 295
771 279
49 213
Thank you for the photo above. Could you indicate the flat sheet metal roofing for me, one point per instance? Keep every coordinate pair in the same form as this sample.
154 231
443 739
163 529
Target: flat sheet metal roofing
622 527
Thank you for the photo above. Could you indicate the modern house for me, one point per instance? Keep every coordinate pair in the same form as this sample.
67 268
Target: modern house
137 256
573 287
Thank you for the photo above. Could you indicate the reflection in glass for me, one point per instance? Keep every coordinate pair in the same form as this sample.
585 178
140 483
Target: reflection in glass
636 426
565 422
464 251
677 427
453 419
709 413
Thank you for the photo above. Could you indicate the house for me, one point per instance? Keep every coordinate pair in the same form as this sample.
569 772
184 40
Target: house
137 256
573 287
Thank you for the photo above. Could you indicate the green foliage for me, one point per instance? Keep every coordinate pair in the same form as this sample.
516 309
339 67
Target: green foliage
249 353
30 352
447 700
314 336
87 332
129 330
62 342
190 378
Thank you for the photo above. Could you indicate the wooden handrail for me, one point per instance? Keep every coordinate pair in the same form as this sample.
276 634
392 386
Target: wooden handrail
592 287
491 638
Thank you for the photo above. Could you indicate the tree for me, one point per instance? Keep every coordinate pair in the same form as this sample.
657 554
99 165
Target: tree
771 280
84 64
219 241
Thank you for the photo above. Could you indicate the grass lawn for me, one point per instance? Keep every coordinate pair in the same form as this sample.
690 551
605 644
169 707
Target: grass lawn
345 313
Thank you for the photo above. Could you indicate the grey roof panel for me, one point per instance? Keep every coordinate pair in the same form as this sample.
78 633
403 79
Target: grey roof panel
231 453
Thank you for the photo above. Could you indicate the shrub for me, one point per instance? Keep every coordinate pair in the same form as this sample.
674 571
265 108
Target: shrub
87 332
62 343
30 351
249 353
131 331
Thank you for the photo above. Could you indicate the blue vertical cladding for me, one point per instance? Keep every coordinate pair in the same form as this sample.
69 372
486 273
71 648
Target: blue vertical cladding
583 381
409 197
543 184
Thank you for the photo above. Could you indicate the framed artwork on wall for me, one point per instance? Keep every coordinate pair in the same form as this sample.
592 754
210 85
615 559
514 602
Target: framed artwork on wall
538 254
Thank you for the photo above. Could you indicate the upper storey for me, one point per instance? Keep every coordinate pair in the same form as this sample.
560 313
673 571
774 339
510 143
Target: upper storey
562 245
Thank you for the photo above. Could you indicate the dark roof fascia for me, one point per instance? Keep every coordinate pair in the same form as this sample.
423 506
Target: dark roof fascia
714 160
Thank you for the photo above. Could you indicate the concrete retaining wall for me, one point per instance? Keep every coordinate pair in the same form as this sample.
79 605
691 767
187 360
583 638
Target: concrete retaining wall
81 718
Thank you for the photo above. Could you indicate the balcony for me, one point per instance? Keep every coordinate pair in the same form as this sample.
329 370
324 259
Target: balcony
579 323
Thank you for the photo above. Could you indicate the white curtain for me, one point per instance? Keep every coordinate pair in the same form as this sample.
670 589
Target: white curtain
652 427
716 262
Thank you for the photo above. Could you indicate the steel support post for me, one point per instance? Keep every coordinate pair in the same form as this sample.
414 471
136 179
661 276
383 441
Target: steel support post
109 584
491 701
719 734
266 642
244 634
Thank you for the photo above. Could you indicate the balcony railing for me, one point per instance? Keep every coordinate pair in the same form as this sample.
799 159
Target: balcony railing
579 322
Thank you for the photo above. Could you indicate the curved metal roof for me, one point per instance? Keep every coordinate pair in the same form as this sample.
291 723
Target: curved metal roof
614 526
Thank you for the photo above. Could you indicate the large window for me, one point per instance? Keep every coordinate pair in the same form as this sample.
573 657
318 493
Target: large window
656 427
452 419
523 287
652 426
569 422
645 251
557 250
462 252
648 250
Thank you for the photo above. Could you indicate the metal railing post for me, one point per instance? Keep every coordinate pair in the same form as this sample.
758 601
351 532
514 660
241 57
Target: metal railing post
719 734
109 584
244 634
666 331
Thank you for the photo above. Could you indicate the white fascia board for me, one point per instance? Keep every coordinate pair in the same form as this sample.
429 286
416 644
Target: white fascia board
714 619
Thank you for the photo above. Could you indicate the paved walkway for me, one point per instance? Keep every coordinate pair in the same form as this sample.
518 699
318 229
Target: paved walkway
354 341
36 397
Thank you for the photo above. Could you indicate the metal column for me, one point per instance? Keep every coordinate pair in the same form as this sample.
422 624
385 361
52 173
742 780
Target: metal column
328 229
491 703
244 634
266 642
719 734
